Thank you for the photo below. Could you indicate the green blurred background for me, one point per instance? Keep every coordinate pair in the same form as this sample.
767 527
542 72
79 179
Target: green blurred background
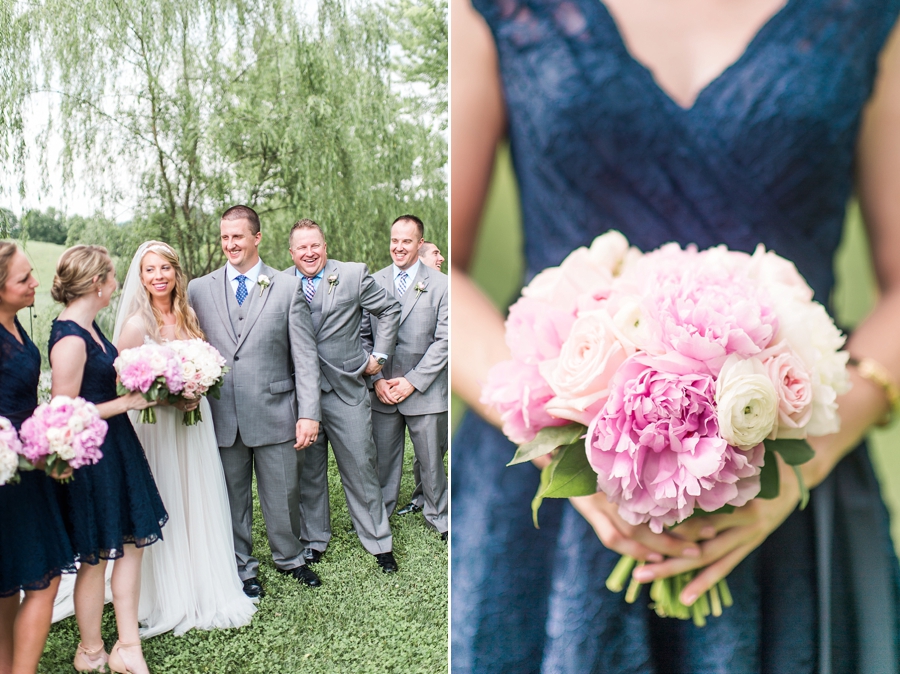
497 267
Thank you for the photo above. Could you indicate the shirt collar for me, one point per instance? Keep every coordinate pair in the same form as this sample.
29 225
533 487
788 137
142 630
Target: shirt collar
252 274
410 273
318 276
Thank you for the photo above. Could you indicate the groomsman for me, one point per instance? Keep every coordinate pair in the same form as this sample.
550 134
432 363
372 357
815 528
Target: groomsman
430 254
337 293
411 390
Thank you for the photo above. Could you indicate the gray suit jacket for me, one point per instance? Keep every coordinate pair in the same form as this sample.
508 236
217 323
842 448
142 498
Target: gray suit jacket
341 356
422 344
274 378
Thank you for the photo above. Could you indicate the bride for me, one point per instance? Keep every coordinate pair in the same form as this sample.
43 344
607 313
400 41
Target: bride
189 579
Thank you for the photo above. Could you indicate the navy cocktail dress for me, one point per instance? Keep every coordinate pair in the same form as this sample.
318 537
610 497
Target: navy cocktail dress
34 545
765 154
114 501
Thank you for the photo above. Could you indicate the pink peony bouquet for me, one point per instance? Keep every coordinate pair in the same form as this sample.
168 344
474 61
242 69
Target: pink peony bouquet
10 453
64 432
154 370
203 371
667 380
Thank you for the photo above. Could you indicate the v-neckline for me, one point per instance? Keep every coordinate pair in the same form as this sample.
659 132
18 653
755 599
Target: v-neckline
751 46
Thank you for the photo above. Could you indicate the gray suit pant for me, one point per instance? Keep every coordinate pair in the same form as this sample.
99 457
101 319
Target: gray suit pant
276 479
418 497
427 432
349 430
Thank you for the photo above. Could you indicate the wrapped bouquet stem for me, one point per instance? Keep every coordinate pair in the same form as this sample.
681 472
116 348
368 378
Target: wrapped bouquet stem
668 381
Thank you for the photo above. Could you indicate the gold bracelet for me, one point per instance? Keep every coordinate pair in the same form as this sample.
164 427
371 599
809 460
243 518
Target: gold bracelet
875 372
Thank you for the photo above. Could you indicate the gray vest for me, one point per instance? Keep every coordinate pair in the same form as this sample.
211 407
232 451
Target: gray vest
315 307
236 312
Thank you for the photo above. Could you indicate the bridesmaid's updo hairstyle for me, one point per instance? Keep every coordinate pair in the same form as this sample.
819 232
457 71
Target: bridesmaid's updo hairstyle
76 271
7 250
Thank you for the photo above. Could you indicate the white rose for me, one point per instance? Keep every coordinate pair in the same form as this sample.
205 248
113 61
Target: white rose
587 361
66 452
746 401
9 464
609 251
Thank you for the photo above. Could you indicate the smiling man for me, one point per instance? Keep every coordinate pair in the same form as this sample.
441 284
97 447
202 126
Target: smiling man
430 254
337 294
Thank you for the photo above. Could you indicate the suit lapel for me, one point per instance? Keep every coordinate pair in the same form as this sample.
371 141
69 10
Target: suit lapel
410 297
257 304
329 290
220 286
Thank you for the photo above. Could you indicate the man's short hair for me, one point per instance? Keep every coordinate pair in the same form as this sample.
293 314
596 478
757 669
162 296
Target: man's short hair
305 223
425 248
412 218
243 213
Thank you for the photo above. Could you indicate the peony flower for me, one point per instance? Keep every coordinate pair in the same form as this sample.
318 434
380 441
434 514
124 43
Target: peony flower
747 402
10 449
588 360
519 392
793 388
656 445
536 331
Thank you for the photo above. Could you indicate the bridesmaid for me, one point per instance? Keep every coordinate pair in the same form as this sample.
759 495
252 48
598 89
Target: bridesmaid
113 507
34 546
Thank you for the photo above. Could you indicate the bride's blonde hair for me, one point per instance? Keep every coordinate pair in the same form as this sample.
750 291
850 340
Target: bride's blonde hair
186 322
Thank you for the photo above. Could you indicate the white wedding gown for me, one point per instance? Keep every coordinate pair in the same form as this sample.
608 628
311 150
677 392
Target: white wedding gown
189 579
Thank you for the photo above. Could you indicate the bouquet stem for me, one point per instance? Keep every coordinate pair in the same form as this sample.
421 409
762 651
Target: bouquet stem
621 573
192 418
148 415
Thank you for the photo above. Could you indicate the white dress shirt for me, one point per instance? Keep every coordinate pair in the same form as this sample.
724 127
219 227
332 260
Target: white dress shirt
252 275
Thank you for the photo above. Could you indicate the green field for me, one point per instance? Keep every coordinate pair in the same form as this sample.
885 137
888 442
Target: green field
359 620
497 267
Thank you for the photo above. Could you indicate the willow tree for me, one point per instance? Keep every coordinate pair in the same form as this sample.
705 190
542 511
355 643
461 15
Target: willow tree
196 105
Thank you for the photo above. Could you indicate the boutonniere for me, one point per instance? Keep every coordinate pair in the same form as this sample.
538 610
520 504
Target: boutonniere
419 288
332 282
263 282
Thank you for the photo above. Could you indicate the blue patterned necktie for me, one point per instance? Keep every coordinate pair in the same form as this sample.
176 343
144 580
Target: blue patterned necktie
401 283
310 290
241 289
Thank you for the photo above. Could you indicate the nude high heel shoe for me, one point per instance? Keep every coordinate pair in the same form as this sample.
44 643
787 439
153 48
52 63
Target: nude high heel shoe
117 664
90 661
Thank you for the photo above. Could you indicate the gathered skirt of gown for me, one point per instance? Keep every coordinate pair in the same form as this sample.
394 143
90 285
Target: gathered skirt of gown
189 579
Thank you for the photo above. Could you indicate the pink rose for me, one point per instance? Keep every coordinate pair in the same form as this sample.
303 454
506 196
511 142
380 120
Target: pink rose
535 331
793 388
656 446
520 394
588 360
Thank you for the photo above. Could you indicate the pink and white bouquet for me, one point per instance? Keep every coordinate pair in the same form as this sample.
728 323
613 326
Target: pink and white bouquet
667 380
153 370
64 432
203 371
10 452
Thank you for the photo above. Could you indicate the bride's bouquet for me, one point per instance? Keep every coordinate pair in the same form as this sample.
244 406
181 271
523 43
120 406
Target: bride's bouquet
10 453
153 370
668 380
66 432
203 371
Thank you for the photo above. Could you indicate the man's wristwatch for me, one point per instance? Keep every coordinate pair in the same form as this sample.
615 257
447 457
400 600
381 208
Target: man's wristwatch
381 360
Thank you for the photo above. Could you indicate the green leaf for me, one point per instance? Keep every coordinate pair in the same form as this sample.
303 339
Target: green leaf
568 474
804 490
25 464
546 441
769 484
794 452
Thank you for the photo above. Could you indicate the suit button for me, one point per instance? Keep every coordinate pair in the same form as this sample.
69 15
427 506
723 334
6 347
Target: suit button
237 357
241 318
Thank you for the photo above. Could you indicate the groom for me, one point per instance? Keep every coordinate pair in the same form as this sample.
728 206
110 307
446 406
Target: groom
260 322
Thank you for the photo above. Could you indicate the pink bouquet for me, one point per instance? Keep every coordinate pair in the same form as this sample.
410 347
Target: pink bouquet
153 370
203 371
667 380
64 432
10 453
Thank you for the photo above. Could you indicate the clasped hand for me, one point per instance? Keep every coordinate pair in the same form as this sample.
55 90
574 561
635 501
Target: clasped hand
393 391
713 543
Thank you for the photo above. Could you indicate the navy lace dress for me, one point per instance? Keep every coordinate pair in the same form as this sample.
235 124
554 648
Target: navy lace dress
764 155
114 501
34 545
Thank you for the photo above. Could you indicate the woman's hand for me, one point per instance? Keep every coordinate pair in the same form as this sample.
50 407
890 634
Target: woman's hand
636 541
731 538
186 405
135 401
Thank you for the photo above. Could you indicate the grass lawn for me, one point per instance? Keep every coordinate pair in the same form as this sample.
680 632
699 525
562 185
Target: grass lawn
359 620
497 267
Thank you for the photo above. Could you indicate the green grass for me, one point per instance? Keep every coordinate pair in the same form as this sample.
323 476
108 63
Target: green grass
359 620
497 267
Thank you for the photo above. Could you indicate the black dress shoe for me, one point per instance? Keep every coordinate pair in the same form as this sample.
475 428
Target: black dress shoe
304 574
387 562
409 508
312 556
253 589
444 537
